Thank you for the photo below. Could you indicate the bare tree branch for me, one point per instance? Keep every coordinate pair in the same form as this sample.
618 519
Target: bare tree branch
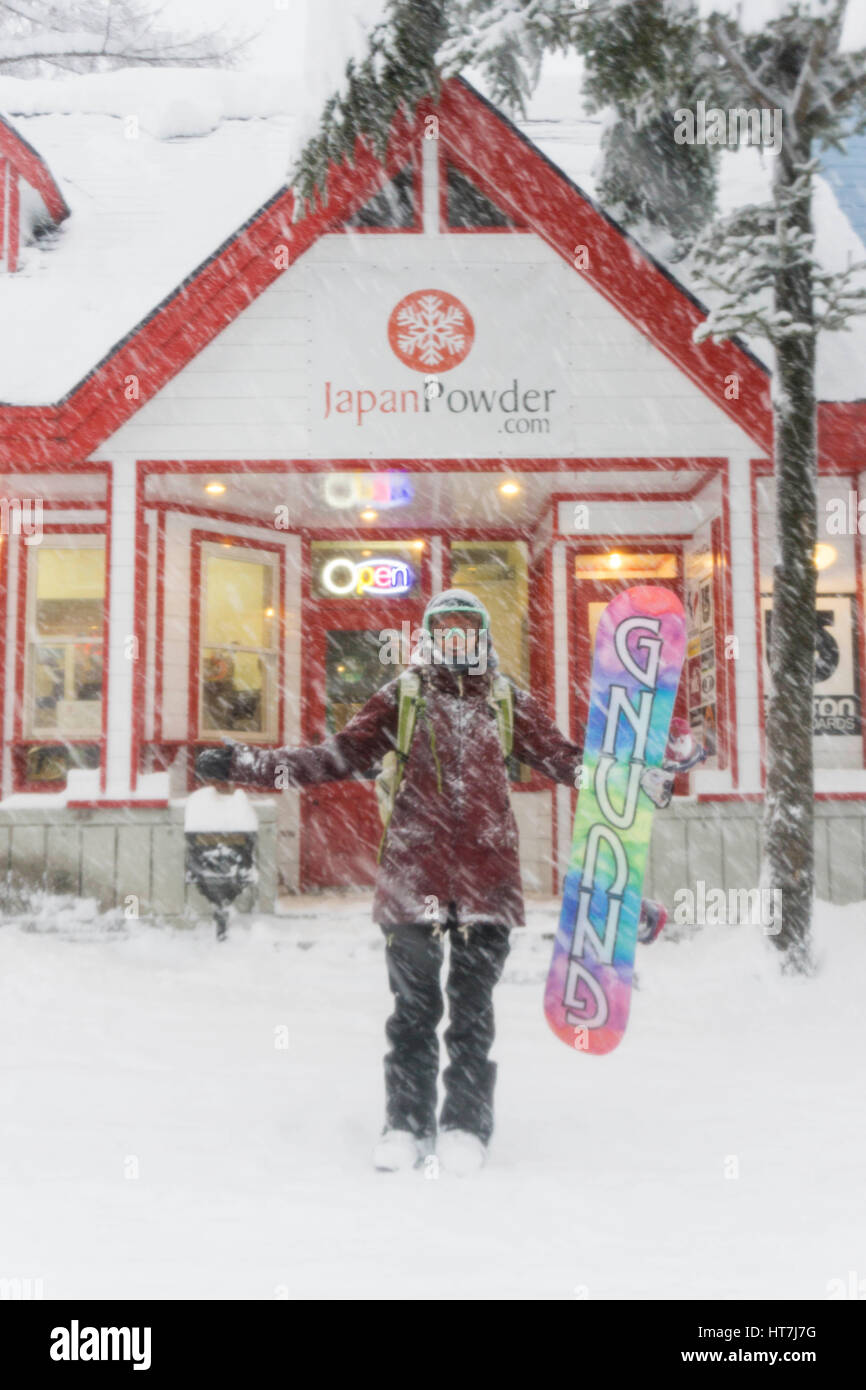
92 30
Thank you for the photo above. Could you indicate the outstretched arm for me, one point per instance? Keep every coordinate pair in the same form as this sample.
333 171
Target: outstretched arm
538 741
354 750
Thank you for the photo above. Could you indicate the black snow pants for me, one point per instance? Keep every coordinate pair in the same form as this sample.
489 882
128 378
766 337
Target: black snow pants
414 954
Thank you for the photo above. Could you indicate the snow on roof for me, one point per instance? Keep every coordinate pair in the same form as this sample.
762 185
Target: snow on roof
846 174
158 167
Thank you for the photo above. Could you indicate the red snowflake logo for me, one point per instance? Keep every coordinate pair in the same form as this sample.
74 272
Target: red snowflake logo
431 331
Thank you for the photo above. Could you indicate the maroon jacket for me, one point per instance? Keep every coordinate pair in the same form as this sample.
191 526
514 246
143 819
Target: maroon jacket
455 845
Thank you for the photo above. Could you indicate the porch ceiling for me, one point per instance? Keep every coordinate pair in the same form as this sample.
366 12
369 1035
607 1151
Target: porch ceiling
57 489
462 497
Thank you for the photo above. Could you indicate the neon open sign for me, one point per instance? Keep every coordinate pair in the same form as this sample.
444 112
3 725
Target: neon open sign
342 576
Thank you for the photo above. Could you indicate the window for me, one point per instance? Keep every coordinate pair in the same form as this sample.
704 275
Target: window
626 565
65 638
497 572
467 206
239 651
354 672
394 206
366 569
837 717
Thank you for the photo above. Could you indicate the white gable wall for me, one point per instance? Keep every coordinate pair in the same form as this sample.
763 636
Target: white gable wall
259 389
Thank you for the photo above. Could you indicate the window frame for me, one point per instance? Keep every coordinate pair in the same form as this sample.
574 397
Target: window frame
414 227
58 535
448 156
206 543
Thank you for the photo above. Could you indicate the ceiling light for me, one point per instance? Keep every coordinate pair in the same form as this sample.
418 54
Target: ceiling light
509 489
215 489
368 514
824 555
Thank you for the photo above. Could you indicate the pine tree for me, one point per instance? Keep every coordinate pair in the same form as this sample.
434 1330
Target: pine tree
647 182
399 69
761 262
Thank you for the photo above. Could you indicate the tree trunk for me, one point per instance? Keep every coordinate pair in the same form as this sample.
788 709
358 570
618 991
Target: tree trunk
789 807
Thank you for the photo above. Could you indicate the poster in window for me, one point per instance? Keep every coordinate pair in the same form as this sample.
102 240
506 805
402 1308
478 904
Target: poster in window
836 709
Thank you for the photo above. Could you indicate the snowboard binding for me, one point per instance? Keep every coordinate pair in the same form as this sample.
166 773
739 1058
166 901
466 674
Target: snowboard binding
683 753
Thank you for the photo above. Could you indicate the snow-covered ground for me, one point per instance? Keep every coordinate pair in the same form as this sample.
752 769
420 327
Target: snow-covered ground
187 1120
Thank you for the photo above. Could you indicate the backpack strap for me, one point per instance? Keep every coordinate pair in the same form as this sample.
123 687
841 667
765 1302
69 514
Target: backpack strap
501 701
408 702
408 695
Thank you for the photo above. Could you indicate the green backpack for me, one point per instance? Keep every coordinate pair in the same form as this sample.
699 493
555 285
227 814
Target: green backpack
411 703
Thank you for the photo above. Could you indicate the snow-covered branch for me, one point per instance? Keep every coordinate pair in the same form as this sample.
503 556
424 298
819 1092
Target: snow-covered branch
741 260
758 89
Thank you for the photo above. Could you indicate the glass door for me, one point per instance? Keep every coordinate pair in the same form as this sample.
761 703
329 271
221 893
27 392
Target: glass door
360 592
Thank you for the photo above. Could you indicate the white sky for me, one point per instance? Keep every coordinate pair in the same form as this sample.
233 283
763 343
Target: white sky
290 35
306 38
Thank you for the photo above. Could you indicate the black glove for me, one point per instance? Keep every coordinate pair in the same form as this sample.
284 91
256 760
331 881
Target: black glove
214 764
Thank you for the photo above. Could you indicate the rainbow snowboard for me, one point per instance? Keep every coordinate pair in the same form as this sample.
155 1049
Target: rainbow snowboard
639 650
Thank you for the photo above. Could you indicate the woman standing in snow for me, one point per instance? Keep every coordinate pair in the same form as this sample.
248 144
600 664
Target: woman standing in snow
449 863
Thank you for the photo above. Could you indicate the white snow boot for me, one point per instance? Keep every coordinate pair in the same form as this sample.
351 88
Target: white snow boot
460 1152
397 1151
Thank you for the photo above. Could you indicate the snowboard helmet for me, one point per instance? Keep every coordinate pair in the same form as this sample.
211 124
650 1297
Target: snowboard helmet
455 601
458 601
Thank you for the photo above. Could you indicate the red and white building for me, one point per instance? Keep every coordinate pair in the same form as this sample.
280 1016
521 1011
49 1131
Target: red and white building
457 370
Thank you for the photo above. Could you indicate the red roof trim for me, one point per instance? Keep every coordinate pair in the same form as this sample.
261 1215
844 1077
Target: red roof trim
509 168
32 167
192 315
565 217
842 433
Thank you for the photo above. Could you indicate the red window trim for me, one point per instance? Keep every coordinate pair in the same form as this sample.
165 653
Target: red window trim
449 156
762 468
414 227
19 739
197 539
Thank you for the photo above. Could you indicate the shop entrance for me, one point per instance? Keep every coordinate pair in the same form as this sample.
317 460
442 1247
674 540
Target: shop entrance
599 571
356 591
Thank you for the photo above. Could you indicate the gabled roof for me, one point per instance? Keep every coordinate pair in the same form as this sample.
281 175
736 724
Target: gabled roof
510 170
